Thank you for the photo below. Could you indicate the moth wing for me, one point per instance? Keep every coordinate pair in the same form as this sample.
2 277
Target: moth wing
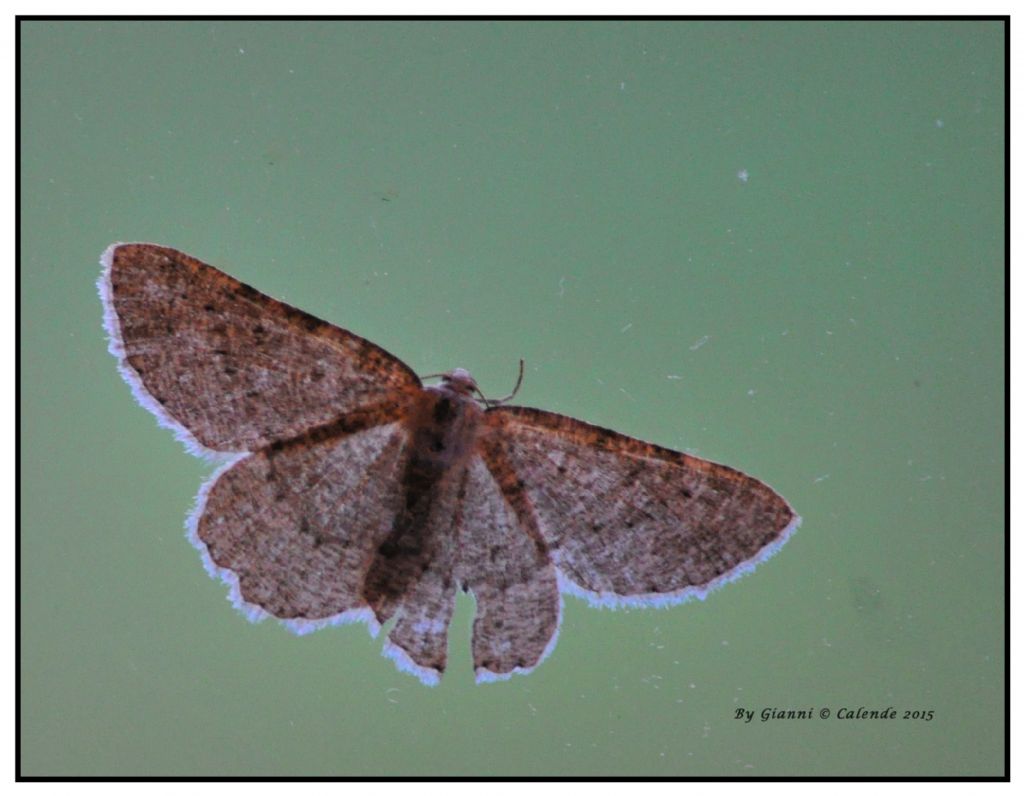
506 566
471 538
293 529
631 523
227 367
418 588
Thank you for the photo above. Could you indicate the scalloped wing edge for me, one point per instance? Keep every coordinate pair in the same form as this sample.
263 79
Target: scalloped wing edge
483 675
115 345
252 611
616 601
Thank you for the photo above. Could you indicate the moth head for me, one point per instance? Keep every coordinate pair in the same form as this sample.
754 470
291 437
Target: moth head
460 381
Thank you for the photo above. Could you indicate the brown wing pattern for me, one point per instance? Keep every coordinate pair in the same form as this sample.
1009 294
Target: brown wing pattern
294 529
418 642
628 522
228 368
355 494
509 572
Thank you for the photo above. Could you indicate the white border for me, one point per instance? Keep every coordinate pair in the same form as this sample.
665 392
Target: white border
604 599
405 664
115 344
487 676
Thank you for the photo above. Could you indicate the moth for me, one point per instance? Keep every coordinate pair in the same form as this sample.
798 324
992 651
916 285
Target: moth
349 491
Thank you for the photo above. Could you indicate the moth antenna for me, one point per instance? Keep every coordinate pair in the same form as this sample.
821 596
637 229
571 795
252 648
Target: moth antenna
510 396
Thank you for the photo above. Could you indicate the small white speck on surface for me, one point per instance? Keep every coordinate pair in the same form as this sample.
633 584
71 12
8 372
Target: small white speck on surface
700 342
743 175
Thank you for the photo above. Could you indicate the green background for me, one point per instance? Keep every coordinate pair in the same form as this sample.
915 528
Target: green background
466 194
